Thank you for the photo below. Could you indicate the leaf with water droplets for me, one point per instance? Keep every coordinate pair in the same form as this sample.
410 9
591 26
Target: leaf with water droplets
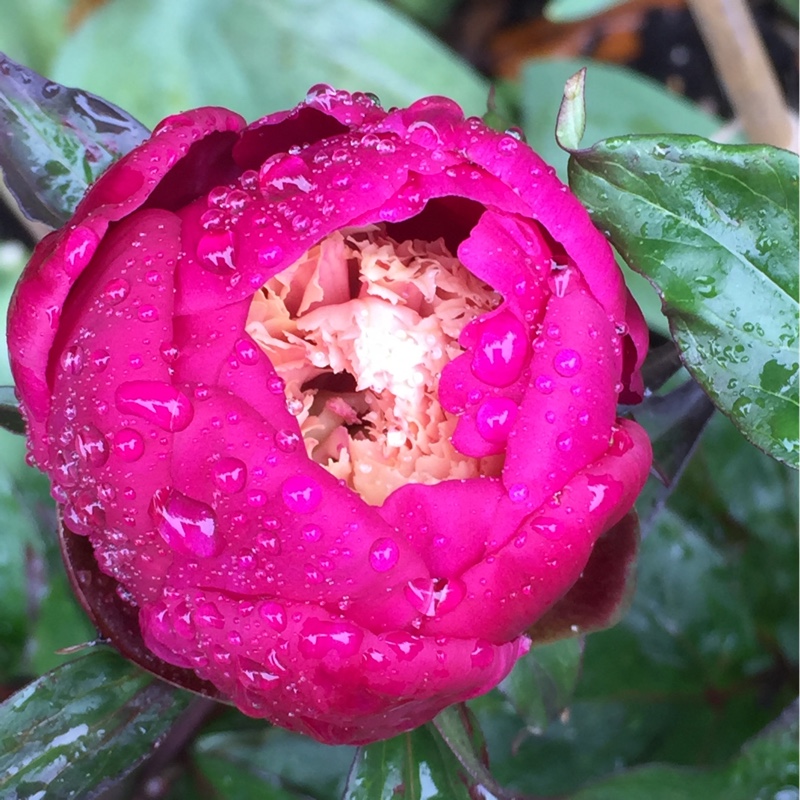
80 729
413 766
715 229
10 416
54 141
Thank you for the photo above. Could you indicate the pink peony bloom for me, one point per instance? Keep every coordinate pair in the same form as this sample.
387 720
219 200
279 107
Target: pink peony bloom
332 397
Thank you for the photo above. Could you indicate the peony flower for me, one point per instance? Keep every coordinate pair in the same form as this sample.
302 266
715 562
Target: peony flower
333 398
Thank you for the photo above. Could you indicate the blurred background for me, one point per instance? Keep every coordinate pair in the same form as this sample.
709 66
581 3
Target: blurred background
706 659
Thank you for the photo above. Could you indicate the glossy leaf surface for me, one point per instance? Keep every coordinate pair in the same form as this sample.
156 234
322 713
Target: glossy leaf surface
54 141
79 729
715 228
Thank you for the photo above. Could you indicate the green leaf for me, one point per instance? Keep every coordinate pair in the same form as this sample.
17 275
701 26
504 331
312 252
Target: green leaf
574 10
571 121
542 683
413 766
55 141
258 57
274 756
432 13
715 228
765 770
233 780
81 728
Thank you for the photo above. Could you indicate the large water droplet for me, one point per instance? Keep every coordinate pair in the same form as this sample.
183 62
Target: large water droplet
502 350
128 444
320 637
79 249
495 419
230 474
208 615
188 526
156 402
434 596
247 352
91 446
215 252
72 360
301 494
274 614
547 527
282 170
116 291
567 362
383 554
403 645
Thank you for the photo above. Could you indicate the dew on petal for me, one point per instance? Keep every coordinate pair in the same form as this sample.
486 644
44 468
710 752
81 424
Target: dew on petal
116 291
311 533
495 419
502 350
544 384
434 596
72 360
157 402
547 527
215 252
79 249
274 614
208 615
187 525
247 352
128 444
383 554
405 646
230 474
301 494
320 637
91 446
567 362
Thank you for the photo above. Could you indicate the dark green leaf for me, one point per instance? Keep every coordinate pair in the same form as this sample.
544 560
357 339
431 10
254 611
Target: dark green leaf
413 766
766 770
237 781
542 683
10 416
273 756
81 728
266 55
54 141
716 229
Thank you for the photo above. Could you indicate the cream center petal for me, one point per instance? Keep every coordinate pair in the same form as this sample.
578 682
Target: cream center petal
360 329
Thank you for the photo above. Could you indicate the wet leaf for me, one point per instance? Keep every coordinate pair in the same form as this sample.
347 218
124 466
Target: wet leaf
81 728
54 141
160 59
542 683
413 766
715 228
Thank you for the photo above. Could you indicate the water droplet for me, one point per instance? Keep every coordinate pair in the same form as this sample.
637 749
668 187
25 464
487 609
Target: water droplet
215 252
482 655
269 542
287 440
230 474
495 419
301 494
502 350
311 533
567 362
269 256
147 313
91 446
320 637
100 359
405 646
518 493
282 170
313 575
544 384
72 360
116 291
383 554
155 402
547 527
273 614
434 596
209 616
80 246
128 445
564 442
247 352
188 526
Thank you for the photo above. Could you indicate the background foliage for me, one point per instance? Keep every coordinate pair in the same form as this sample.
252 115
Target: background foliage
690 696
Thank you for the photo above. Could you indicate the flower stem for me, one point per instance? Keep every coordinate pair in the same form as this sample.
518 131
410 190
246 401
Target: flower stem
744 68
